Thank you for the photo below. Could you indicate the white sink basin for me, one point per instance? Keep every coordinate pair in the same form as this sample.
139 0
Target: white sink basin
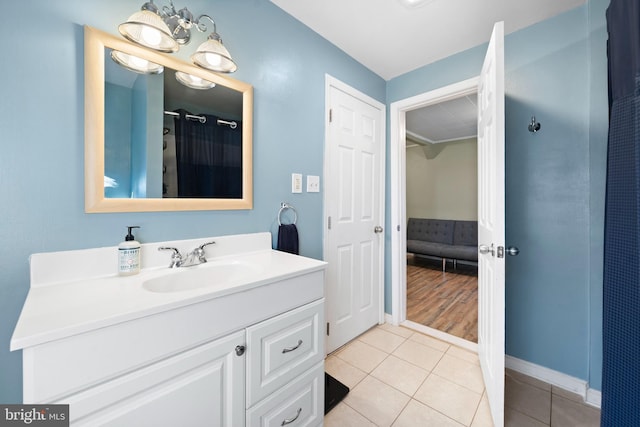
211 274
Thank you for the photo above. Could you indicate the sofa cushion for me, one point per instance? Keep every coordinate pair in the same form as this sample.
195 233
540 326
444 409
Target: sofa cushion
467 253
430 230
465 233
427 248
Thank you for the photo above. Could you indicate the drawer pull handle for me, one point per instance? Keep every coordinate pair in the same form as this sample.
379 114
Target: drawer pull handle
290 420
287 350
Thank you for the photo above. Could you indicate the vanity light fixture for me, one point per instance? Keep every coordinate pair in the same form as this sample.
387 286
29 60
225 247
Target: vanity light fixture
194 82
136 64
166 29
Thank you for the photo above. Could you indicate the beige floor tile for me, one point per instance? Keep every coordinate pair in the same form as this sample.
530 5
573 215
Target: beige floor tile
514 418
382 340
568 413
400 374
482 418
527 379
344 372
379 402
566 394
528 399
398 330
453 400
418 354
463 354
430 341
361 355
343 415
416 414
461 372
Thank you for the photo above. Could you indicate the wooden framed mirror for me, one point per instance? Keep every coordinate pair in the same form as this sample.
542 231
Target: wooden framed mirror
129 162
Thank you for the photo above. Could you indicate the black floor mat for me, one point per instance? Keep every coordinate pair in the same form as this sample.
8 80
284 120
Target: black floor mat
334 392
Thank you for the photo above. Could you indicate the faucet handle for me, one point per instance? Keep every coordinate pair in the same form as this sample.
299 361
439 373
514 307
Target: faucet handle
199 252
176 257
207 244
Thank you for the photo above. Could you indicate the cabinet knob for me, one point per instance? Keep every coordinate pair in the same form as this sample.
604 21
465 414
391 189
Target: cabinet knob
240 349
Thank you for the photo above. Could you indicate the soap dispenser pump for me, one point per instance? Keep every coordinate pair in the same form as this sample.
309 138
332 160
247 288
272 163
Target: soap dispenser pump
129 254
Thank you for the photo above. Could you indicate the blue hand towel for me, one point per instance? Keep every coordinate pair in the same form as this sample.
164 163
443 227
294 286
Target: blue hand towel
288 238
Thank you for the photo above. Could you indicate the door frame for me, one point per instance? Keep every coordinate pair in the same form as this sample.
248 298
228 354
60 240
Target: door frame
398 194
331 81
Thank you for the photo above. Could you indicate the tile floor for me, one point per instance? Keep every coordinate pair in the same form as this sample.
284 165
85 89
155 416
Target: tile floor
404 378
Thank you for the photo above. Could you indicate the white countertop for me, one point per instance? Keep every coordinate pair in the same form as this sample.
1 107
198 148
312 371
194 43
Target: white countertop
65 301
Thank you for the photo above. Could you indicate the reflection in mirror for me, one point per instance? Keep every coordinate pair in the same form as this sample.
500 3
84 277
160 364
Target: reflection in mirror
155 142
164 139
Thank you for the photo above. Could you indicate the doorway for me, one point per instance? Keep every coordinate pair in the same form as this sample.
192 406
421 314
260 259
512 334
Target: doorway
403 138
442 190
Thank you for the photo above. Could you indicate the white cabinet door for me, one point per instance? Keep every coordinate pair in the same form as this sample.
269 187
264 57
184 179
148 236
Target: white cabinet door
204 386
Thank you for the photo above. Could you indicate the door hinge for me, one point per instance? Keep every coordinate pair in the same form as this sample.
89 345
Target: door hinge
330 115
329 223
327 328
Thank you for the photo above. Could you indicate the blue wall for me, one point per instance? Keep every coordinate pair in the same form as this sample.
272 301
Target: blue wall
555 179
555 70
42 122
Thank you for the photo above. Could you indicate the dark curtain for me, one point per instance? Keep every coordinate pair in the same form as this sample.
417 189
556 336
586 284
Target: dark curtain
209 158
621 298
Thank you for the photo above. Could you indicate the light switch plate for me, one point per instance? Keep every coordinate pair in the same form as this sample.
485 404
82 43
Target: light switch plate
313 184
296 183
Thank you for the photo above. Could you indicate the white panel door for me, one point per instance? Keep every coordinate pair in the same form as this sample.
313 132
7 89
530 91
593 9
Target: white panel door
354 208
491 223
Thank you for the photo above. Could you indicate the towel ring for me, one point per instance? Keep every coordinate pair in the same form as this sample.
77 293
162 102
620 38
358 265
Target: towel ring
284 206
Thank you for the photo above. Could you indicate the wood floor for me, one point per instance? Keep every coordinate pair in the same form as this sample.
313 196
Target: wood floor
447 301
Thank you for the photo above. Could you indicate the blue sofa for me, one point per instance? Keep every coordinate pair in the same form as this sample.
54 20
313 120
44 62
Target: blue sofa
442 238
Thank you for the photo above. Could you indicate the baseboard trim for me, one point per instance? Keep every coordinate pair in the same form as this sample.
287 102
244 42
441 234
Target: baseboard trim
555 378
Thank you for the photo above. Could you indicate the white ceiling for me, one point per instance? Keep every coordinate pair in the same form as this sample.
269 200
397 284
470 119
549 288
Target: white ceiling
452 120
391 39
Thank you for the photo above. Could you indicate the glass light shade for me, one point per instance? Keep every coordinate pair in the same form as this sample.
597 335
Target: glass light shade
213 56
192 81
136 64
148 29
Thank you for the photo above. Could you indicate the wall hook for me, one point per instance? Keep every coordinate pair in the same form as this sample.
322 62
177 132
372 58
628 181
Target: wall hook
534 126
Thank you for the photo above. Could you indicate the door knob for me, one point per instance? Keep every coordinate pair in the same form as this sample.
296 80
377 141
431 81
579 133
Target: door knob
377 229
484 249
513 251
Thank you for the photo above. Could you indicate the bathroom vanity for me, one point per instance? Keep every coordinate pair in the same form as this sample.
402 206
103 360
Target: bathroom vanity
234 341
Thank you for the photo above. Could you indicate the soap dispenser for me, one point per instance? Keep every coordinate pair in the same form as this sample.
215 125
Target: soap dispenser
129 255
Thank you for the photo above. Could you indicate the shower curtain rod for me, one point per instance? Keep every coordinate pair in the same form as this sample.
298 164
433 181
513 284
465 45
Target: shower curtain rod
203 119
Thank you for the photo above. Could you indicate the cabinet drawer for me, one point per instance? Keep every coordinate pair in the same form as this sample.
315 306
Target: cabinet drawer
300 403
282 348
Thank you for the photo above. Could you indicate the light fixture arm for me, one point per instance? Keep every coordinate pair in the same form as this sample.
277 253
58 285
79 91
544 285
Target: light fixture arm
201 26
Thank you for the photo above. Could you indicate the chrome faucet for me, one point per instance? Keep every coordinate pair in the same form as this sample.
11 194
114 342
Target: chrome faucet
194 257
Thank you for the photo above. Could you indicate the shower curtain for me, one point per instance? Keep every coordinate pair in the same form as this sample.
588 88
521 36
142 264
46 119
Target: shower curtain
209 157
621 298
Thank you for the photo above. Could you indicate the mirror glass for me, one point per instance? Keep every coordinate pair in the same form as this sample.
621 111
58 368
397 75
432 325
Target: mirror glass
152 143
